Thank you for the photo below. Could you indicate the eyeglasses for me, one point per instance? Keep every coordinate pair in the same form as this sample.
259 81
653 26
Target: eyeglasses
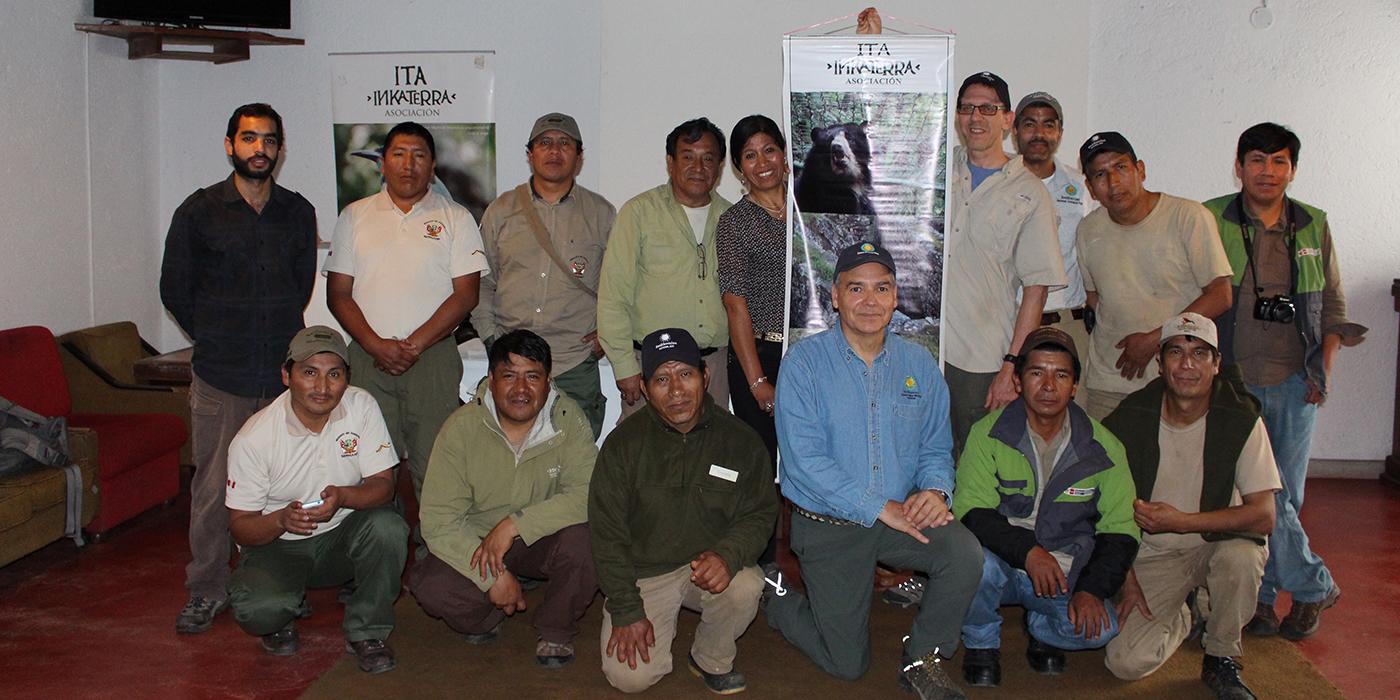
986 110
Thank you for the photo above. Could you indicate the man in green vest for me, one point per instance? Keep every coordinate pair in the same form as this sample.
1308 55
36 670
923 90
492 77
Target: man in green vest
1205 480
1288 320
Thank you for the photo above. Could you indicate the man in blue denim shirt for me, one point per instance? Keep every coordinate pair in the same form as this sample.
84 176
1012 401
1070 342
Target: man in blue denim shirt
866 449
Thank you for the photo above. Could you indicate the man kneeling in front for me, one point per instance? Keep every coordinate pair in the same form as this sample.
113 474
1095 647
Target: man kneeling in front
680 506
306 477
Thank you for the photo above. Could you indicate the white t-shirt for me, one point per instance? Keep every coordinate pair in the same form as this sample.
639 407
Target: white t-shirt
274 459
698 216
1182 468
404 263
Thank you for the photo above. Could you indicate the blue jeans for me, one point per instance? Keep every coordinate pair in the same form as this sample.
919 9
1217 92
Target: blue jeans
1048 618
1292 566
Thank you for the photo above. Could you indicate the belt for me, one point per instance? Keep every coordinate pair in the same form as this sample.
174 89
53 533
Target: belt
704 352
822 518
1050 318
771 337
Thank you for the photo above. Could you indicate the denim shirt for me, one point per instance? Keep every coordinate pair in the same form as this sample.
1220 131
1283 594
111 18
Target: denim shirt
853 436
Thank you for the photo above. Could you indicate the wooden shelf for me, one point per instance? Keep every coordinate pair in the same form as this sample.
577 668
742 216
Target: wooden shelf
226 46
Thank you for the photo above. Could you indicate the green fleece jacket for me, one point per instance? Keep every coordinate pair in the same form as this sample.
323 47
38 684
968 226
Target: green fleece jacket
475 478
659 498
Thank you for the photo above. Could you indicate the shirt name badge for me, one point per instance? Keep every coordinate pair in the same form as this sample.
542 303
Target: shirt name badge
722 473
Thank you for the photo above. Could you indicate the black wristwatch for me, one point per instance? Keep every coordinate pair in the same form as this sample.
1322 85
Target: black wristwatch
1008 357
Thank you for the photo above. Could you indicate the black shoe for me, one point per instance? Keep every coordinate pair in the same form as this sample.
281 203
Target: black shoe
373 654
554 654
926 678
1265 621
982 667
198 614
484 637
342 596
773 585
1044 659
1222 675
283 642
304 610
720 683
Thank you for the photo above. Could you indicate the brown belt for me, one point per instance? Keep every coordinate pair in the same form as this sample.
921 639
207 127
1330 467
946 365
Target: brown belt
1050 318
821 518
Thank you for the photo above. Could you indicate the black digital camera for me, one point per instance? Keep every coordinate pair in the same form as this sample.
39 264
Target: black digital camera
1277 309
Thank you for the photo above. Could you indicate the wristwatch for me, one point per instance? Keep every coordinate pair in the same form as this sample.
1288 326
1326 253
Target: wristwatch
1008 357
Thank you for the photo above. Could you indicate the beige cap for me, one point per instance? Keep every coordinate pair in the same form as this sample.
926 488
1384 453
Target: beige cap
317 339
555 121
1192 324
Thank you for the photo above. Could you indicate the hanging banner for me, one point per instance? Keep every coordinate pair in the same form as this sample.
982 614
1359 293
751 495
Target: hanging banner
449 92
868 125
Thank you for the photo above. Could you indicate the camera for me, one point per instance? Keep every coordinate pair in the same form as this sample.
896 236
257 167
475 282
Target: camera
1279 308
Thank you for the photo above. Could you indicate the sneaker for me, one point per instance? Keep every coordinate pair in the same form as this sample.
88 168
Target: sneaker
554 654
373 654
484 637
198 614
1265 621
982 667
1043 658
926 678
907 594
1222 675
1304 619
283 642
720 683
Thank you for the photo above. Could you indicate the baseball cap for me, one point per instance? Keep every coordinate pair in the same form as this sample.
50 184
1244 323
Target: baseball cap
858 254
1048 335
1192 324
1104 142
316 339
555 121
991 80
667 344
1040 98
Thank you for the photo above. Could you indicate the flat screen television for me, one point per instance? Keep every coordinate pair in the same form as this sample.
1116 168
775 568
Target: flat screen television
271 14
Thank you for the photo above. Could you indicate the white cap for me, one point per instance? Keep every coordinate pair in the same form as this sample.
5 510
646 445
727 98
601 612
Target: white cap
1192 324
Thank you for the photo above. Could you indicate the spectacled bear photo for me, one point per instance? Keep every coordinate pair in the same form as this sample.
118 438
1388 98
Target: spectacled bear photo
836 172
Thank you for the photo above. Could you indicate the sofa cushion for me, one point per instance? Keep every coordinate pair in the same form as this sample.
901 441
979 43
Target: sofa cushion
115 347
23 494
128 440
31 373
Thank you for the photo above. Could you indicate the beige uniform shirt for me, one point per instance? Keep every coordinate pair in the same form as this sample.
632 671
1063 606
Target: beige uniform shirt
1182 466
1144 274
998 238
526 289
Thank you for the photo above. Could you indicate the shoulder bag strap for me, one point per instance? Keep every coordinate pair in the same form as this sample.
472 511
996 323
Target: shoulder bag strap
523 200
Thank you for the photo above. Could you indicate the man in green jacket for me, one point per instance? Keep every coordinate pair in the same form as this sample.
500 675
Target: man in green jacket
1205 480
506 494
1047 491
681 505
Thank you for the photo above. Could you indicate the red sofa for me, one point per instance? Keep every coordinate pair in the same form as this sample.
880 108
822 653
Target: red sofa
138 454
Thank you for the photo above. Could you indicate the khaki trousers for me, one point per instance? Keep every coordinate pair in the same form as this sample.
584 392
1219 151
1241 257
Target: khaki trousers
1098 403
723 618
716 365
1229 569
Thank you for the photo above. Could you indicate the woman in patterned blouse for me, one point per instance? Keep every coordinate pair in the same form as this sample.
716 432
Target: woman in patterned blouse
752 245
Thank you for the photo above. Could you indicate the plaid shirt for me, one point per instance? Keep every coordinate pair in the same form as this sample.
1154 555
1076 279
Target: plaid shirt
237 282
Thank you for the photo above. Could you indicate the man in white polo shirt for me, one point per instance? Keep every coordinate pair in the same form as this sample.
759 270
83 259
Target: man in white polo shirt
404 269
306 475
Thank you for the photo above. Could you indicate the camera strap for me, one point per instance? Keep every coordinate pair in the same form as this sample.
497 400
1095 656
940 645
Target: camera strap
1290 238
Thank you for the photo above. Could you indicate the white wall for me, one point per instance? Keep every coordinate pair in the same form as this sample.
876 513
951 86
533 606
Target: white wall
1182 78
77 138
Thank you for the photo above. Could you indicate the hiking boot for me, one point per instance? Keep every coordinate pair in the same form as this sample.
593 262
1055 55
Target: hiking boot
373 654
982 667
484 637
720 683
283 642
1222 675
1304 619
1044 659
1265 621
926 678
554 654
907 594
198 614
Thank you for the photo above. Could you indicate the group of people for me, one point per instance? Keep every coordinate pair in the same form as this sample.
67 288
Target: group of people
1137 510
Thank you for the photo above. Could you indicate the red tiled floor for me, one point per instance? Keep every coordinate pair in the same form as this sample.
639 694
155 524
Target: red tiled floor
100 621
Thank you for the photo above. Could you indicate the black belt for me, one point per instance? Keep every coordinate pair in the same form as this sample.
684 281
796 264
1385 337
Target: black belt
703 351
1050 318
821 518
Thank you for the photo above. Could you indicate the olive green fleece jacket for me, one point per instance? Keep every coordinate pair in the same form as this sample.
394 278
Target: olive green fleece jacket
660 497
475 479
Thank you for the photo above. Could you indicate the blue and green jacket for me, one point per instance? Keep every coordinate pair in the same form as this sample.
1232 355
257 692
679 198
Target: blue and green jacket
1308 276
1086 506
